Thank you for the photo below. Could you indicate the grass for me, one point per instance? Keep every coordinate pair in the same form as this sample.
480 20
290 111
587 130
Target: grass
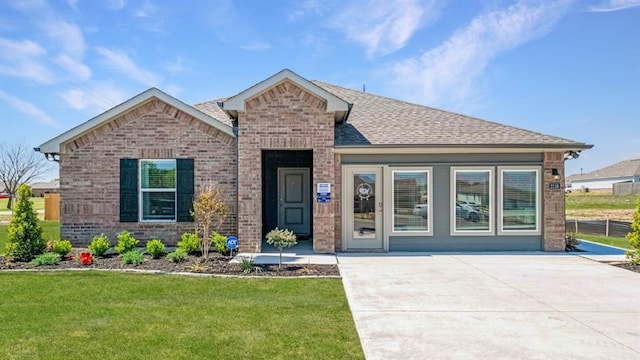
97 315
38 203
613 241
581 201
50 231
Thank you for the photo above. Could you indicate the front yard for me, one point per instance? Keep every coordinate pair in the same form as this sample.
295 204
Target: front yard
63 315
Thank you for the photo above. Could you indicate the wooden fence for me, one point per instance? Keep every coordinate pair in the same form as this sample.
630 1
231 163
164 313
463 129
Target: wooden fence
52 206
626 188
606 227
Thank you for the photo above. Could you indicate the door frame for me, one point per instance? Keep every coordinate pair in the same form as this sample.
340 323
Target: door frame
347 205
306 192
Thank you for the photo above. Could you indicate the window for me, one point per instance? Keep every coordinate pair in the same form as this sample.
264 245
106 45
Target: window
471 205
157 190
519 200
411 209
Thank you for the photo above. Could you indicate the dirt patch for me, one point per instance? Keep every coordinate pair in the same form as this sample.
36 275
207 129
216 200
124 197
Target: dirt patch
216 264
612 214
627 266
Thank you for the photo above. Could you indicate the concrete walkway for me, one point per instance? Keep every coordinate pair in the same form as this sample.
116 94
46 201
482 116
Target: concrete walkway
492 306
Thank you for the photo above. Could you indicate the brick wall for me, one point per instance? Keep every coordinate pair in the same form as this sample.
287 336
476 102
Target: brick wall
284 117
554 205
89 170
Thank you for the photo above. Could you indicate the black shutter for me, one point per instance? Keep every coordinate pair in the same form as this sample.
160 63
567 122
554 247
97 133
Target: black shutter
128 190
185 189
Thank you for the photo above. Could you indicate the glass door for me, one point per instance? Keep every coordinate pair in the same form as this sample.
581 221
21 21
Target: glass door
364 208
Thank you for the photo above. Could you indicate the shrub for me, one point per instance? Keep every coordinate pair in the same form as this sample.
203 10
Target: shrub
49 258
570 242
209 209
247 265
177 256
85 258
126 242
189 243
24 237
156 248
99 245
133 257
281 238
220 243
633 255
62 247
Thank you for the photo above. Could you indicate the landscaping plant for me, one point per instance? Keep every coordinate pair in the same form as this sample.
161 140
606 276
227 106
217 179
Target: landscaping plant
247 265
99 245
126 242
633 255
177 256
189 243
85 258
220 243
24 240
156 248
49 258
62 247
209 209
133 257
281 238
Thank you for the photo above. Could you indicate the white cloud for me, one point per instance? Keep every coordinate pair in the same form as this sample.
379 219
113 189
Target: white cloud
73 4
96 97
176 67
121 62
256 46
614 5
449 71
68 36
77 69
29 109
146 10
383 26
24 59
116 4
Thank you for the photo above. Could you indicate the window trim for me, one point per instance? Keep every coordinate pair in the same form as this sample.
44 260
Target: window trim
414 169
452 202
539 190
141 192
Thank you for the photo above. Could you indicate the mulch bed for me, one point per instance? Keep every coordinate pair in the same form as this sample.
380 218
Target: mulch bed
627 266
216 264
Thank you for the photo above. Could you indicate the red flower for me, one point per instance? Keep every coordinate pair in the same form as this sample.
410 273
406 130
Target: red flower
86 258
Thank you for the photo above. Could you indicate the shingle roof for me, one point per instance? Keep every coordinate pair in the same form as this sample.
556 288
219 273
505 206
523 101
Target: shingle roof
377 120
212 109
625 168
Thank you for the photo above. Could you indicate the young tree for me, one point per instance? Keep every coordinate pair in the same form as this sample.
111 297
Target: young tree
281 238
633 255
19 165
209 209
24 240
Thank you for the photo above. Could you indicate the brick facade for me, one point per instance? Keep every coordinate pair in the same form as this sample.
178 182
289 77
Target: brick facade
89 170
284 117
554 203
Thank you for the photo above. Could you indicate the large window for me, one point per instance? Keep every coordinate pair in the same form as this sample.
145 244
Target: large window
519 200
471 208
157 190
411 210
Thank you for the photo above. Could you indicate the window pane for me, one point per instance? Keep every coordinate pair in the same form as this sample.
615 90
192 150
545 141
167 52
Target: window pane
410 201
519 200
158 174
473 202
158 205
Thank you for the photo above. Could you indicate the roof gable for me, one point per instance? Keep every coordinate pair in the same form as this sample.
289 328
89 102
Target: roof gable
622 169
54 145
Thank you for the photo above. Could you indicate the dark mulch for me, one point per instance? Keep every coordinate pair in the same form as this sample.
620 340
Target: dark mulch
216 264
627 266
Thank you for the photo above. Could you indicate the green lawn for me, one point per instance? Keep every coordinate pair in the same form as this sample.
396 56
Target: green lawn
614 241
38 203
50 231
97 315
580 201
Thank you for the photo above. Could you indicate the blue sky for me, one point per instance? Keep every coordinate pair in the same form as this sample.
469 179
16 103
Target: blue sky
566 68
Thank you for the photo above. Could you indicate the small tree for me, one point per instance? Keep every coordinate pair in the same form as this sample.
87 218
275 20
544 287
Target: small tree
209 209
633 255
24 240
281 239
19 165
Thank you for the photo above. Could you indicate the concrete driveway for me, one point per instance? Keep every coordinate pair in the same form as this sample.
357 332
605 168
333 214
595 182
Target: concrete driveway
492 306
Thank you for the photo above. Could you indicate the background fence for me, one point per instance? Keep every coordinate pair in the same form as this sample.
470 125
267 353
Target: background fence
626 188
52 206
607 227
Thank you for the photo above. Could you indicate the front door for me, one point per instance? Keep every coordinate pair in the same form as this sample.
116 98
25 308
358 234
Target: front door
363 199
294 207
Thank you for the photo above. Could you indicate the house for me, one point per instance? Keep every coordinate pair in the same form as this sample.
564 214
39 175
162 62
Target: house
344 169
41 188
627 171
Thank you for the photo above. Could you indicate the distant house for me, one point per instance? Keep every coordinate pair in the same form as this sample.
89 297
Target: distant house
41 188
627 171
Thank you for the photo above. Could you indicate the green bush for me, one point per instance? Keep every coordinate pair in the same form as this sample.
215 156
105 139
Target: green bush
24 237
126 242
133 257
62 247
177 256
50 258
99 245
189 243
220 243
281 238
248 265
156 248
633 255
